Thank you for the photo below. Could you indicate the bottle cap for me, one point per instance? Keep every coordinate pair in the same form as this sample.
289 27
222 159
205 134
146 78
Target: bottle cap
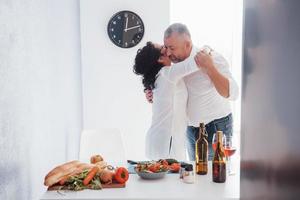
183 164
202 125
189 167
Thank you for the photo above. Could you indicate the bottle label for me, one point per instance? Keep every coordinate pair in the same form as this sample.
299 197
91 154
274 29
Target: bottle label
201 153
219 172
201 168
201 157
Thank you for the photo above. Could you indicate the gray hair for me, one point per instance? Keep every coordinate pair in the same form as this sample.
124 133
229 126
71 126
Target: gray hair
177 28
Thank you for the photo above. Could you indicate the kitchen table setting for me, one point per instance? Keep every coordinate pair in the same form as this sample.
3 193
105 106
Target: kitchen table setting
161 179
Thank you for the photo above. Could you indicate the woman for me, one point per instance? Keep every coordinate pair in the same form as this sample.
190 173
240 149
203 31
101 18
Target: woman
166 135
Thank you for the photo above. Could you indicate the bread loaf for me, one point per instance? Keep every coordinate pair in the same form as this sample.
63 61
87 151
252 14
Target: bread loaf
60 171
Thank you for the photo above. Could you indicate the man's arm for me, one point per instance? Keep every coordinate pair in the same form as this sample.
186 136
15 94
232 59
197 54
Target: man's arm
178 70
218 72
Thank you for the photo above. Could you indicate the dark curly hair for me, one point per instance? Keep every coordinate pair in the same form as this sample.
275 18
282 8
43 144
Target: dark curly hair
147 65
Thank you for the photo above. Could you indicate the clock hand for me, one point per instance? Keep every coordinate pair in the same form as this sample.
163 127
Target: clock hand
126 24
132 28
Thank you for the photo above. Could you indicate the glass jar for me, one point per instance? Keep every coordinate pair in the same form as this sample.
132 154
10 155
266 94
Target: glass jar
189 175
182 169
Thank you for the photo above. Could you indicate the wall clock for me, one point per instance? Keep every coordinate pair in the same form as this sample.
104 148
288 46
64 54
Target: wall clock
125 29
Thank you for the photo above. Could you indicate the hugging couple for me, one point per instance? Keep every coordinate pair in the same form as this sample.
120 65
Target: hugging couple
186 85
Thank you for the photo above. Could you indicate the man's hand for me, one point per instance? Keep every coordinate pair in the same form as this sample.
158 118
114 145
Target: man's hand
204 60
149 95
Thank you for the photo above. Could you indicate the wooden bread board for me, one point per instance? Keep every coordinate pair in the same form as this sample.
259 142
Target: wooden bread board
112 185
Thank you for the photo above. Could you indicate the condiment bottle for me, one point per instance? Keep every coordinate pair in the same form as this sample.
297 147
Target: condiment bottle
188 175
182 169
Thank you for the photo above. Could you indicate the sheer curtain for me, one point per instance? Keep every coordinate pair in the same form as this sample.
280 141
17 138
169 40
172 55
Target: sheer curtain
217 24
40 93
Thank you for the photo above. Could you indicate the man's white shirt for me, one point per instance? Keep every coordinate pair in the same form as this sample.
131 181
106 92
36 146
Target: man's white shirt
205 104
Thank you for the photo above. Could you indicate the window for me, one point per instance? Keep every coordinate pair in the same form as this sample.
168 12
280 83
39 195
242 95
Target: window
217 24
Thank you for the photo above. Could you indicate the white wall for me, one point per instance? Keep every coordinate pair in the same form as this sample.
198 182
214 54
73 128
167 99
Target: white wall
40 92
112 93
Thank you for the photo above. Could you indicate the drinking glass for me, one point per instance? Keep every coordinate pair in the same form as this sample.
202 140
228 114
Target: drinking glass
230 149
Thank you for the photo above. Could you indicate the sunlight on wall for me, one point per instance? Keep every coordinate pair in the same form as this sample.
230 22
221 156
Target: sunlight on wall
217 24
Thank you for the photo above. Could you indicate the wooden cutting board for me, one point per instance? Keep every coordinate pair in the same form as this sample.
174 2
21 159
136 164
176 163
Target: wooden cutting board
112 185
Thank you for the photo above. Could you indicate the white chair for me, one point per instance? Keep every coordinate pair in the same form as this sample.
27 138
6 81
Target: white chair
106 142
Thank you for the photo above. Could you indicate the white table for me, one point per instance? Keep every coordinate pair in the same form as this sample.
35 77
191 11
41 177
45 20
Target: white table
169 187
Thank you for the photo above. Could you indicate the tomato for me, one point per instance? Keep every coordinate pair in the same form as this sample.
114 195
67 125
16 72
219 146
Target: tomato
121 175
164 162
154 167
165 167
175 167
158 166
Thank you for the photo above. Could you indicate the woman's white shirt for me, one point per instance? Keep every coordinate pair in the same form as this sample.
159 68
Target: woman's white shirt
169 118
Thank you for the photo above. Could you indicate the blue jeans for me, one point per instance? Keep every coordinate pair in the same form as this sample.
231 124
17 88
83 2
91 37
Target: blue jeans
223 124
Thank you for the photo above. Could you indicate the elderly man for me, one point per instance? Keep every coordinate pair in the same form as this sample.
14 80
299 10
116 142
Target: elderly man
209 89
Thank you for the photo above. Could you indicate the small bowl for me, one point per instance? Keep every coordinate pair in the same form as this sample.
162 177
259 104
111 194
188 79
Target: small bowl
148 175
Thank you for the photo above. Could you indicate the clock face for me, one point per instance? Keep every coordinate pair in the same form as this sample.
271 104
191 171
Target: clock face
125 29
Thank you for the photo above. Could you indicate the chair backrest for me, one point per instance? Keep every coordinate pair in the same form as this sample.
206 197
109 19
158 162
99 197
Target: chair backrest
106 142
